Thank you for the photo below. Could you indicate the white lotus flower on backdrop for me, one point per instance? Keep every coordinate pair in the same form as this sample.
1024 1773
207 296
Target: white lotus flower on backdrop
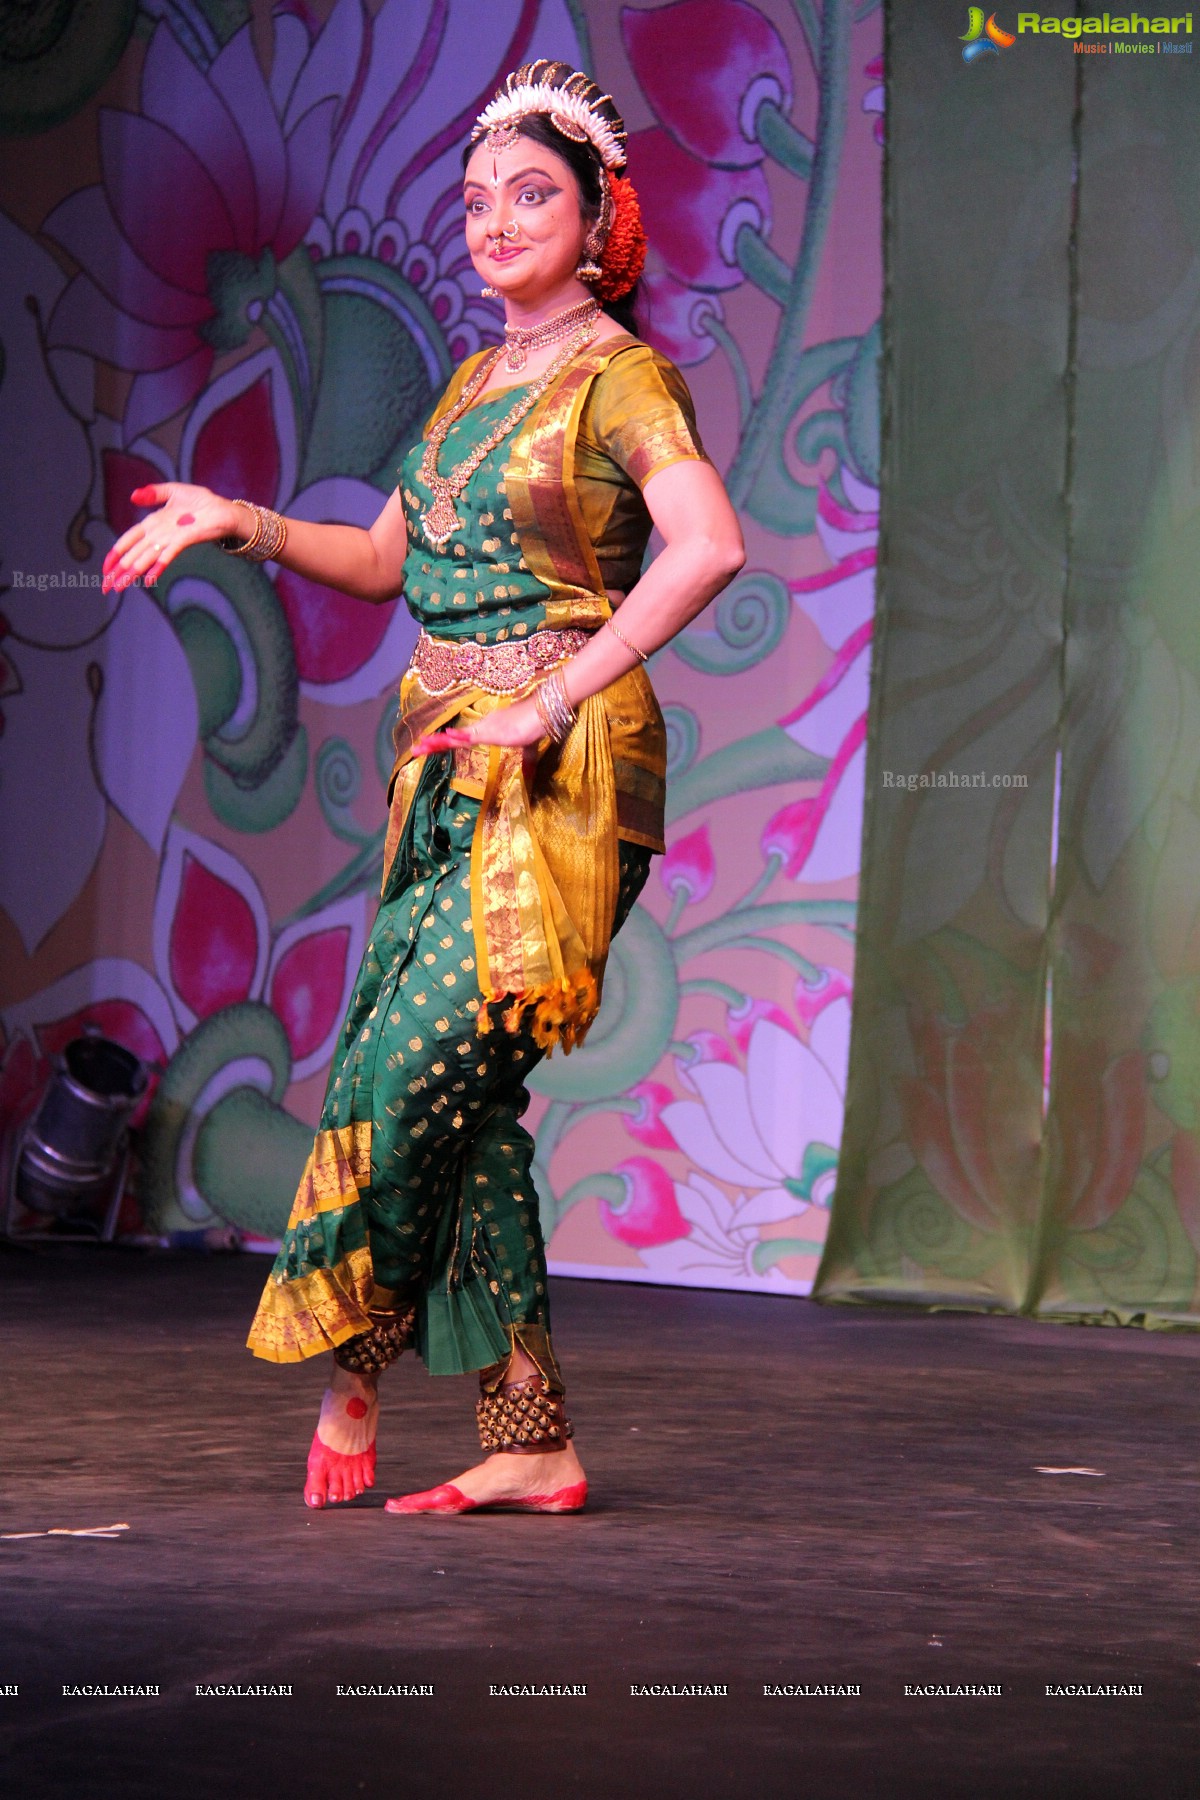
771 1131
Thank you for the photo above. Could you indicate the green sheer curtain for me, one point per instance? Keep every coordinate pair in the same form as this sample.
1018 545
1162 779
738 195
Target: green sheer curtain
1024 1091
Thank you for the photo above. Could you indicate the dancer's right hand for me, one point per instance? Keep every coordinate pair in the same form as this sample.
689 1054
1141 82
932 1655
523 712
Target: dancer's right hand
184 515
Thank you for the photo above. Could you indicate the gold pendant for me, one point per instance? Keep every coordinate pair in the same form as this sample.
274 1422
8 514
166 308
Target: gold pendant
441 521
516 358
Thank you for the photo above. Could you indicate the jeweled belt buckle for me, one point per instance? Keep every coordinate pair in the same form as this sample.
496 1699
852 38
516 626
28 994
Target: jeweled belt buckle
497 668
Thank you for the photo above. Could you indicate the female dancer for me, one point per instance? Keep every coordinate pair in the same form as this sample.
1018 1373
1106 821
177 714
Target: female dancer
525 802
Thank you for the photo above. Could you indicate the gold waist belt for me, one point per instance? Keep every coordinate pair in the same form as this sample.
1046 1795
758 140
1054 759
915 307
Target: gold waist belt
441 665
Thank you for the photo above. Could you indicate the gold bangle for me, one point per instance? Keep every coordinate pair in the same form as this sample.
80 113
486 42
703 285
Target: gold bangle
555 711
265 541
622 639
237 546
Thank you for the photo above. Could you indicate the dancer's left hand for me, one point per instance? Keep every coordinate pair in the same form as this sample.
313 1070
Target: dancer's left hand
515 727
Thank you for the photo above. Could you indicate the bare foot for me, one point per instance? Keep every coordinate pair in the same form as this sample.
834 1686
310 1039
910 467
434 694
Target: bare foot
341 1460
503 1476
505 1480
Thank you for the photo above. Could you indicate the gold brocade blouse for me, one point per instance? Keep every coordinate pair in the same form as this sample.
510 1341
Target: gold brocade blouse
579 461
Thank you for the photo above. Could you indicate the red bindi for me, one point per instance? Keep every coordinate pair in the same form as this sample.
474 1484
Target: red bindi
356 1409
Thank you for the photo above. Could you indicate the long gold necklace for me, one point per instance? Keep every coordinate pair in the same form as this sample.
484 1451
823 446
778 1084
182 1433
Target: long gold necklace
440 521
521 339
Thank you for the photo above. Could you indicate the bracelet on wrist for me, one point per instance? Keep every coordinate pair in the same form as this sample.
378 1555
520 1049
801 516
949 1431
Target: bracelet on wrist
267 539
553 708
622 639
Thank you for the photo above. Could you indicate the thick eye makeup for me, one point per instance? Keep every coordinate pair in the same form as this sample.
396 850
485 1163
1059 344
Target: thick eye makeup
530 191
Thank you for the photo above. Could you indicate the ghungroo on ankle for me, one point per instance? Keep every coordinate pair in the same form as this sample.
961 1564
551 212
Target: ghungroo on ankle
525 1416
373 1351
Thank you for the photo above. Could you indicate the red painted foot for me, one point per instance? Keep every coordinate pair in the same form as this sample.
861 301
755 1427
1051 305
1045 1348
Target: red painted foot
333 1477
449 1499
444 1499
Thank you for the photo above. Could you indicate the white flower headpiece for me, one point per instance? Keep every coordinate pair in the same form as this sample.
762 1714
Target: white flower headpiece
569 113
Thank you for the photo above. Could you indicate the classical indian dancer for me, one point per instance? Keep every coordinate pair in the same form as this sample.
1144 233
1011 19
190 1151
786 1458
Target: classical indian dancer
525 803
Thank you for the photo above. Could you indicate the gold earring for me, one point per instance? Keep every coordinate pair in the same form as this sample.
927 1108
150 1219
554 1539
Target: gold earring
593 246
489 293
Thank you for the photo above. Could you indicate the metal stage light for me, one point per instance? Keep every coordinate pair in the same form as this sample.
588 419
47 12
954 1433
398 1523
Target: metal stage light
70 1163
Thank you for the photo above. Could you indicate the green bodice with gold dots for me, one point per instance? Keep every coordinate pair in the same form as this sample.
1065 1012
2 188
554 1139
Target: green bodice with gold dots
478 586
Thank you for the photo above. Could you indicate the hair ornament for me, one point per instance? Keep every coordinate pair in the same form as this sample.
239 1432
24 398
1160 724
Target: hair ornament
624 254
574 106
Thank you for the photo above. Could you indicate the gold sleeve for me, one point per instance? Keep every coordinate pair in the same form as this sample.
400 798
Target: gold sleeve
640 414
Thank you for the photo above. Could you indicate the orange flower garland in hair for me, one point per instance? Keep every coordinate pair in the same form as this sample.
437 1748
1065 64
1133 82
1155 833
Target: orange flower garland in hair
624 255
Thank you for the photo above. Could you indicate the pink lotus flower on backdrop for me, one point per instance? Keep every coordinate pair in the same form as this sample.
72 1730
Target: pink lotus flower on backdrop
213 947
706 66
693 212
819 837
689 867
203 194
649 1213
646 1124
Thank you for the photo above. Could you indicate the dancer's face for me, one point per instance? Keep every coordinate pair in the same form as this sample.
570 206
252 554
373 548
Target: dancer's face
525 227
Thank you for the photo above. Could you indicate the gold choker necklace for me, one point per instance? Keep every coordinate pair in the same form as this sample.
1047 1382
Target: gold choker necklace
521 339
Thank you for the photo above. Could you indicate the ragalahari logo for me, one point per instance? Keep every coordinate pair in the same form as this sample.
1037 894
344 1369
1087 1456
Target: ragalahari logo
984 37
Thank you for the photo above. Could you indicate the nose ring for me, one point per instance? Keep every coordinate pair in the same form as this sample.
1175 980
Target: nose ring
510 231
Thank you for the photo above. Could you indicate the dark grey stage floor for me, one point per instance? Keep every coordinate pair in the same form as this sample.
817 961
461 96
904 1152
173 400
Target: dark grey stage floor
783 1493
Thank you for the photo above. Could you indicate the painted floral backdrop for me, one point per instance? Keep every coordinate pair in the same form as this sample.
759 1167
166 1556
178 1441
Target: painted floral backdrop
232 253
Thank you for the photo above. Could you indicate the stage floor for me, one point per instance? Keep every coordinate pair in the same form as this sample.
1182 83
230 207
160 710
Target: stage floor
783 1494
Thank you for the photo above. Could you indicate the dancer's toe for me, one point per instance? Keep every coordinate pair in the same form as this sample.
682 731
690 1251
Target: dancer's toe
334 1477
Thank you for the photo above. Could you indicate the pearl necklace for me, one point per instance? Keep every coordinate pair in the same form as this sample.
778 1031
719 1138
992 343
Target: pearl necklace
521 339
440 521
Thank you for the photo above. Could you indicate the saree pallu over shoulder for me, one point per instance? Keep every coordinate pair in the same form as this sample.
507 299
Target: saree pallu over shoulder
645 405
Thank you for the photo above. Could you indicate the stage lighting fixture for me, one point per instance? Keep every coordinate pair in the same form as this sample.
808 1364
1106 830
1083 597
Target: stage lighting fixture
71 1161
